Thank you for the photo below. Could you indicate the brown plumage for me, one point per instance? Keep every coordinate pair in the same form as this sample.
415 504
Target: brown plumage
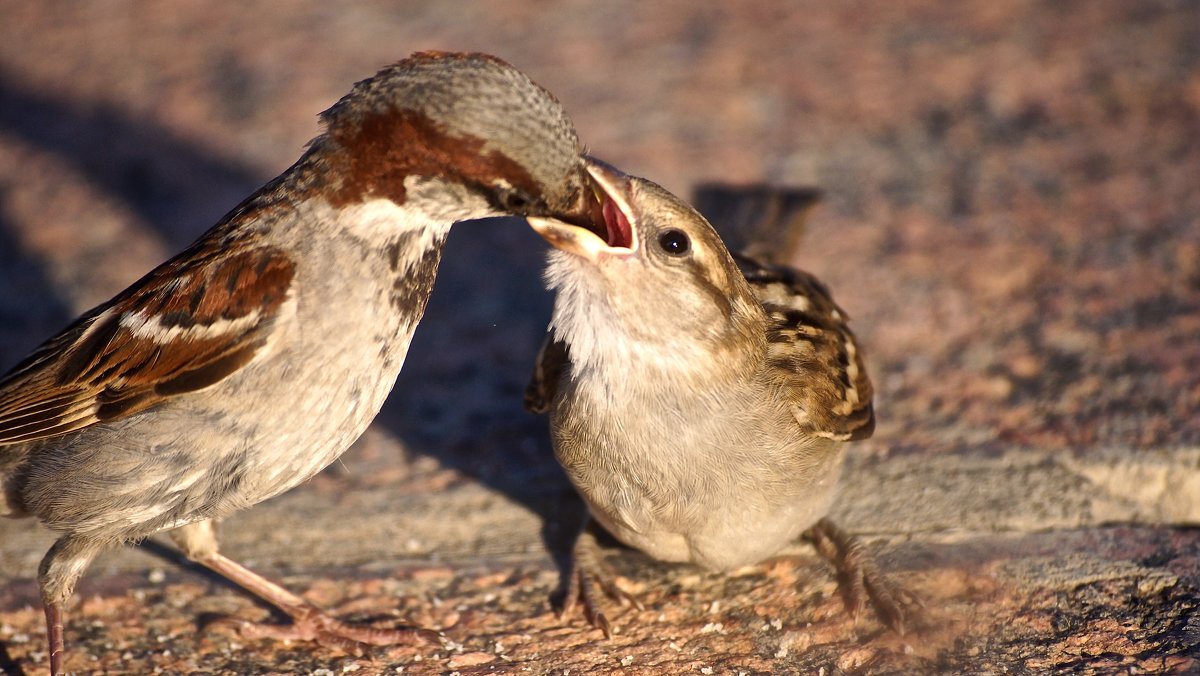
254 358
698 401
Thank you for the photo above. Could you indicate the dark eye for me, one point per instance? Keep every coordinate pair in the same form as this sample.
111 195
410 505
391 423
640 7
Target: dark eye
515 201
674 242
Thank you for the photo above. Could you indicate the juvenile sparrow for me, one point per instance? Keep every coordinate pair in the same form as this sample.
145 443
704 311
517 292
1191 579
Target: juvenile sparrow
247 363
698 401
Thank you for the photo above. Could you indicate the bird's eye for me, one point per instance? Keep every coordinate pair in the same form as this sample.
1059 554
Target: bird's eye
674 242
515 201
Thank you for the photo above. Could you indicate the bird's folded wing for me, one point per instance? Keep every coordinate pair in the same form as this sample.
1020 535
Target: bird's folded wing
552 360
812 352
187 325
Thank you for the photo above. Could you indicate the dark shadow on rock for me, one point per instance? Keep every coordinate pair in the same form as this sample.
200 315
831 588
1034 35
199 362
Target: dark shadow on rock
174 184
30 307
459 396
8 665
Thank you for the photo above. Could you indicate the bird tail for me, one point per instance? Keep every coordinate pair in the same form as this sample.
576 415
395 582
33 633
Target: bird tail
764 222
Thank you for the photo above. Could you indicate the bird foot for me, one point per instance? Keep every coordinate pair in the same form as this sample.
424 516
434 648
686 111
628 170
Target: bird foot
581 590
586 572
310 623
859 577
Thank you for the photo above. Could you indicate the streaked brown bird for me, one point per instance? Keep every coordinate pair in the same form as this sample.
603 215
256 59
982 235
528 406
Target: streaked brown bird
700 402
241 367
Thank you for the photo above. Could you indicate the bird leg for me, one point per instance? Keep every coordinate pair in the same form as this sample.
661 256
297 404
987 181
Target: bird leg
59 571
56 645
309 623
586 570
858 576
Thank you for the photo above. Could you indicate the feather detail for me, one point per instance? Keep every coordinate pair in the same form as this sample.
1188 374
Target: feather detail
812 352
187 325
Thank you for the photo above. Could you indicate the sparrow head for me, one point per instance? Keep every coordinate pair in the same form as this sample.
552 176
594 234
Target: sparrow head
650 271
459 135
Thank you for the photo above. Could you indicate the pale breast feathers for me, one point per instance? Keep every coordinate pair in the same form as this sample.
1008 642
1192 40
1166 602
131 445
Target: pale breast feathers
187 325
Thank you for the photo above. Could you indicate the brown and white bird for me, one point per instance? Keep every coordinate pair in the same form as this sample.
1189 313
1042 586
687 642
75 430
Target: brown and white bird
254 358
699 402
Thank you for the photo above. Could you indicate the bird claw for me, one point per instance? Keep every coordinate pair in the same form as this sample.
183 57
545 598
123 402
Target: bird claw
586 573
859 578
618 594
581 589
313 624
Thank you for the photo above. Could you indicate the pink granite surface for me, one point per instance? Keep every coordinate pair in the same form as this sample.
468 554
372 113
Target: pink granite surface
1012 217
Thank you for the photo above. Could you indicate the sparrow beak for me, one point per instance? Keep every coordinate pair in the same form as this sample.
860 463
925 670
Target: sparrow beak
609 227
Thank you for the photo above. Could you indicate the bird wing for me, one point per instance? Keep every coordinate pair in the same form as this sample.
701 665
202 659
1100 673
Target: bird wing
552 360
187 325
813 352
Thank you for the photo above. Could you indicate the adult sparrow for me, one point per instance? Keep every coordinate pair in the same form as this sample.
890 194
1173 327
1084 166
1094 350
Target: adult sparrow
247 363
700 402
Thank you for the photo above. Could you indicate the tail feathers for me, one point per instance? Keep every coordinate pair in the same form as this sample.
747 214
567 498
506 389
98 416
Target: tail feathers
762 221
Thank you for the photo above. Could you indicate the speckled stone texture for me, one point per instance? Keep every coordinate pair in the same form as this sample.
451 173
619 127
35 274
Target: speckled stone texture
1011 215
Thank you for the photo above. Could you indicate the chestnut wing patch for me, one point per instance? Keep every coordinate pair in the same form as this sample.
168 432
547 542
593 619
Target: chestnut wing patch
813 352
185 326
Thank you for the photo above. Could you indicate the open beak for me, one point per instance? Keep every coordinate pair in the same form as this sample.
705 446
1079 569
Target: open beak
609 227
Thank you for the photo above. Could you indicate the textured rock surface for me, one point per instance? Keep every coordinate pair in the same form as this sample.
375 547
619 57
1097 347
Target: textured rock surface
1011 216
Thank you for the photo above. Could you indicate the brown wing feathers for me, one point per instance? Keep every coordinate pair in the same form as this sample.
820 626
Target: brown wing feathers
179 329
813 349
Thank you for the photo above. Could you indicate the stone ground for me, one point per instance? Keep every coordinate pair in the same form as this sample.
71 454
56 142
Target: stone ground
1011 214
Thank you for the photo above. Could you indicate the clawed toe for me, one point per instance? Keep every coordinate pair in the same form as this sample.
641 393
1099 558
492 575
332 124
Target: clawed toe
313 624
859 578
582 590
618 594
585 574
886 600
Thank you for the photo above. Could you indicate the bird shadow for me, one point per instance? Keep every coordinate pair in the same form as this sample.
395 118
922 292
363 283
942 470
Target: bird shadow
7 664
173 183
30 305
459 396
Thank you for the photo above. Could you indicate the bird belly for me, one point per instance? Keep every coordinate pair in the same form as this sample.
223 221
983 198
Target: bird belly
160 469
711 493
729 536
301 403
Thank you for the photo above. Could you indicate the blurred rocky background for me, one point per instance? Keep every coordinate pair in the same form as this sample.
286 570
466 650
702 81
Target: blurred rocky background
1011 216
